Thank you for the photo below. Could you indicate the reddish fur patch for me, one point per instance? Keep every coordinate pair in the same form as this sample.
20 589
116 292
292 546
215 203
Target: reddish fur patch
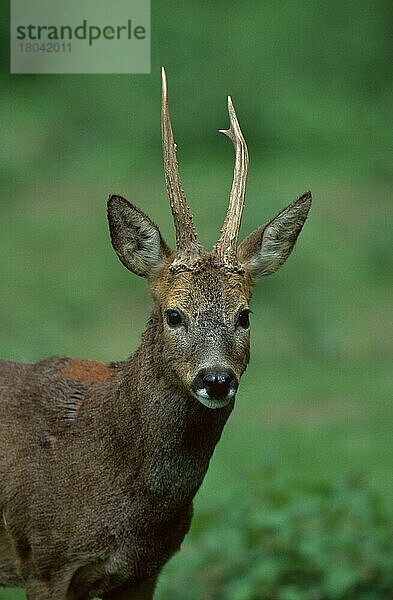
87 371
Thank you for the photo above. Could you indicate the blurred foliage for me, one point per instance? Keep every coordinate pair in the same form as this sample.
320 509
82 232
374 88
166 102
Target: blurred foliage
281 542
312 83
306 77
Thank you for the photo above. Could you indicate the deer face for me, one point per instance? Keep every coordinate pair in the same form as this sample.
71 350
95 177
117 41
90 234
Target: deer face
202 299
205 330
203 304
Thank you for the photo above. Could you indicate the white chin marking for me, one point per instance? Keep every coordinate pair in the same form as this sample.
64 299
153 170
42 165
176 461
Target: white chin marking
205 399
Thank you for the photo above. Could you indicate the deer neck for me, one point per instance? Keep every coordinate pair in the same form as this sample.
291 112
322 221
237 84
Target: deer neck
175 434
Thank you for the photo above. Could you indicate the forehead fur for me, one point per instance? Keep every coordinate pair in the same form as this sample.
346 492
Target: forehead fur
205 285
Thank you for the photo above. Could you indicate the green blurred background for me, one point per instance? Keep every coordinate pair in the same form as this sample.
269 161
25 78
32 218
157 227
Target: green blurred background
312 83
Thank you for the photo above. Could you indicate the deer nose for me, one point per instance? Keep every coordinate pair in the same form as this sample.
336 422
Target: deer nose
216 383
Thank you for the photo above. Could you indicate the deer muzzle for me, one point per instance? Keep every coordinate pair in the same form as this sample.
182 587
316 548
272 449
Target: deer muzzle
215 387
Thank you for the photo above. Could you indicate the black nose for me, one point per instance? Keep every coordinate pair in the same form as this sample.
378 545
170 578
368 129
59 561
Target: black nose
217 382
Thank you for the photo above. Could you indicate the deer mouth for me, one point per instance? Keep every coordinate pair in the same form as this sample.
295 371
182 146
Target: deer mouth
203 397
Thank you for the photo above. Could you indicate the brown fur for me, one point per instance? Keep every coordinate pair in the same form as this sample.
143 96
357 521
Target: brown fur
100 500
86 371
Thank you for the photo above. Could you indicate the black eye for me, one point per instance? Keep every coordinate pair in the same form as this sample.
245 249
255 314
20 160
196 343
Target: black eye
173 318
243 319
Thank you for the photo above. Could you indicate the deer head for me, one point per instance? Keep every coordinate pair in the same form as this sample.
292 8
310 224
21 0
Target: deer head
202 298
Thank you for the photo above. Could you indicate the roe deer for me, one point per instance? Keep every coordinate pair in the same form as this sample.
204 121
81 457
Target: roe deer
99 463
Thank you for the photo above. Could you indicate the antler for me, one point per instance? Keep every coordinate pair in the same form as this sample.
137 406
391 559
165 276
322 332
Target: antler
186 237
225 248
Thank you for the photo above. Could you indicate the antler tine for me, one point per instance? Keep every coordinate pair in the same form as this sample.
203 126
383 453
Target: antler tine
186 237
225 248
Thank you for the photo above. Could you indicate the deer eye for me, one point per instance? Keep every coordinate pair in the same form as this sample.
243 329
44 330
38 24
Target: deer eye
243 319
173 318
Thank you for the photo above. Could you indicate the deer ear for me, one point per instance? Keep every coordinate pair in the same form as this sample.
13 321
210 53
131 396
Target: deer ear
268 247
135 238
